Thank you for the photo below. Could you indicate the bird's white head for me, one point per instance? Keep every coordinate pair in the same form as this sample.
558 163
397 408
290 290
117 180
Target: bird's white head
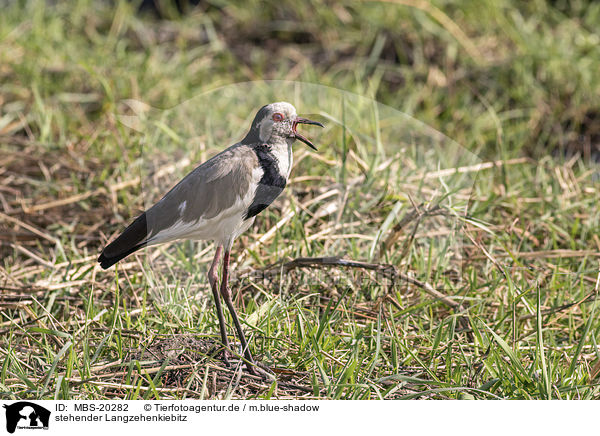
277 122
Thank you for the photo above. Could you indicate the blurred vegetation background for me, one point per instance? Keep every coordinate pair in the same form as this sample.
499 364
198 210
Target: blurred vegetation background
495 76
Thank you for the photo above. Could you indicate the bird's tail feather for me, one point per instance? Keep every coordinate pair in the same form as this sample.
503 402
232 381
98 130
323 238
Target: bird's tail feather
132 239
107 262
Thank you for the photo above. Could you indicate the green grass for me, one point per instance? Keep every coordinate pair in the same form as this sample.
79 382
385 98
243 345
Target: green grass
515 251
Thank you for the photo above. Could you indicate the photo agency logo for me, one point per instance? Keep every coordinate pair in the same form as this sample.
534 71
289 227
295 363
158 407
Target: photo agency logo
25 415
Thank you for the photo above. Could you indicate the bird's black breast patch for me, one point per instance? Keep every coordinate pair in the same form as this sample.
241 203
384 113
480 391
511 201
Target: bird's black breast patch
271 183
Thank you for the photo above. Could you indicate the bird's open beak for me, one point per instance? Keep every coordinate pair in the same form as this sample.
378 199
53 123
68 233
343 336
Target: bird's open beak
300 120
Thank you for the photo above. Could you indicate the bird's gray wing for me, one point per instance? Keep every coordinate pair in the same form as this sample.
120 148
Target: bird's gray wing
215 186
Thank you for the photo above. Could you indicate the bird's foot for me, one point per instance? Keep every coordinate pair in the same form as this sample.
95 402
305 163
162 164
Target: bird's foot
223 353
225 357
261 370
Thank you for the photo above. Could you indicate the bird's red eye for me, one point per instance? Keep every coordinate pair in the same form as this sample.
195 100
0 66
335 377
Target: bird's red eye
277 117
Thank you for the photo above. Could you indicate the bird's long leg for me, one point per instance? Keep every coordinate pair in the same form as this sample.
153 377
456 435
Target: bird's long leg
212 278
226 293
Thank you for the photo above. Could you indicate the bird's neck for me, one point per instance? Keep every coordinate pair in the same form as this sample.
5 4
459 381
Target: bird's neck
282 152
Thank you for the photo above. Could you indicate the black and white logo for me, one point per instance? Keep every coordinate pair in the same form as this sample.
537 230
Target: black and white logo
26 415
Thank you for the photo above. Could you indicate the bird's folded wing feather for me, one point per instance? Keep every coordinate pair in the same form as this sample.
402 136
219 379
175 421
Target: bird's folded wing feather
220 185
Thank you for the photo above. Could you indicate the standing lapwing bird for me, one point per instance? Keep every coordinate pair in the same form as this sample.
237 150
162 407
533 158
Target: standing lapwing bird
219 200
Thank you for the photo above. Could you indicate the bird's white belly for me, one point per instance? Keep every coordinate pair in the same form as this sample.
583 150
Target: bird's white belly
221 229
